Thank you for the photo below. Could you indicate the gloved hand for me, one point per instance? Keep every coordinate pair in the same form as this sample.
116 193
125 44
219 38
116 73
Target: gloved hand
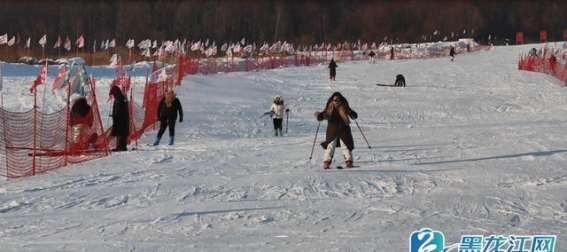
353 115
320 116
287 110
180 119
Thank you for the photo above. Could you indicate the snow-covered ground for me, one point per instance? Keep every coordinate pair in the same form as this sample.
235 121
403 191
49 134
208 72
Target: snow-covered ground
470 147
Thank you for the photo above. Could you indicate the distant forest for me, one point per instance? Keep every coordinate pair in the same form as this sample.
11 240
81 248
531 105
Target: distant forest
300 22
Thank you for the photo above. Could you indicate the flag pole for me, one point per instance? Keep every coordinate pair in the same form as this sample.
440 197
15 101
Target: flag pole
4 123
68 124
34 129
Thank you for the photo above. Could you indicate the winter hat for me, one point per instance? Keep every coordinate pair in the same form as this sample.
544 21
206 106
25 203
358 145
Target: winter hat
278 99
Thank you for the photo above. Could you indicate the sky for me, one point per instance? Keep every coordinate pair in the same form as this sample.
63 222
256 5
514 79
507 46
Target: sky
472 147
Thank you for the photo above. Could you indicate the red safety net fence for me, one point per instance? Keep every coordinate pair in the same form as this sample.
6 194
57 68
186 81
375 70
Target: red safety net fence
201 64
545 61
34 142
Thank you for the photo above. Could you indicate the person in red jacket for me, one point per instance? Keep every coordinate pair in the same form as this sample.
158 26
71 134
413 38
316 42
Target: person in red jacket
338 114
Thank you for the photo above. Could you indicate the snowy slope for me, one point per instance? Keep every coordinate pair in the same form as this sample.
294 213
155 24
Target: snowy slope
471 147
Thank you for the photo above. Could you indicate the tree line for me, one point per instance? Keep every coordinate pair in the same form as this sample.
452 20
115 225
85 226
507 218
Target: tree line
301 22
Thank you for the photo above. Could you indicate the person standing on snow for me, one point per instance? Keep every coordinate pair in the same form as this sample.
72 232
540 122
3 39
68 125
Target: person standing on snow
168 108
338 113
333 69
277 111
452 53
120 119
371 55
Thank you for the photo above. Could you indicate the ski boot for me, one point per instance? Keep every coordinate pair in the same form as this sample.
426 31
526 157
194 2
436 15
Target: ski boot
156 143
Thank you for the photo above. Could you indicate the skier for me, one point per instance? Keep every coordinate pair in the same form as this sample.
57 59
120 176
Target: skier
333 69
552 63
337 113
168 108
452 53
400 81
120 119
371 55
276 111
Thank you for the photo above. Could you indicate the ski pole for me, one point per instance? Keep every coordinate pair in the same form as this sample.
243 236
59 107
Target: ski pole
286 120
362 134
314 140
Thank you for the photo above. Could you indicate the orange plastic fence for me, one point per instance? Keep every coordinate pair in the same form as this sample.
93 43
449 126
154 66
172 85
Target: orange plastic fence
213 65
35 142
538 63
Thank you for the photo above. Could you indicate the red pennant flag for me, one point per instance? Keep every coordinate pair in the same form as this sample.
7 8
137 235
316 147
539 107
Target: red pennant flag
58 43
40 78
59 78
80 42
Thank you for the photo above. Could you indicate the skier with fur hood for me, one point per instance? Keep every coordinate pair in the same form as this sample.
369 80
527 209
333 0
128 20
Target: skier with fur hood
277 110
338 113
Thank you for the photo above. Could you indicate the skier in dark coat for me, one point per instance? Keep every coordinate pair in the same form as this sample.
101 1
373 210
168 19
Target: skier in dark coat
333 69
371 55
338 113
452 53
168 108
120 119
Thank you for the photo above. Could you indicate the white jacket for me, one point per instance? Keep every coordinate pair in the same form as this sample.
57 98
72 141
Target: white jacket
277 110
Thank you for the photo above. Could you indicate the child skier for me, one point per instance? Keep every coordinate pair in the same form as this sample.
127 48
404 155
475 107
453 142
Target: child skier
277 111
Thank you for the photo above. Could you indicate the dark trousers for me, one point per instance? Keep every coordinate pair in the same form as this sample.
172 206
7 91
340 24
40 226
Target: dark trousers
163 125
278 123
121 143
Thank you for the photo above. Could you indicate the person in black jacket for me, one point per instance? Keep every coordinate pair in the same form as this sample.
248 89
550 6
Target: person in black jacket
120 119
168 108
333 69
371 55
338 114
452 53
